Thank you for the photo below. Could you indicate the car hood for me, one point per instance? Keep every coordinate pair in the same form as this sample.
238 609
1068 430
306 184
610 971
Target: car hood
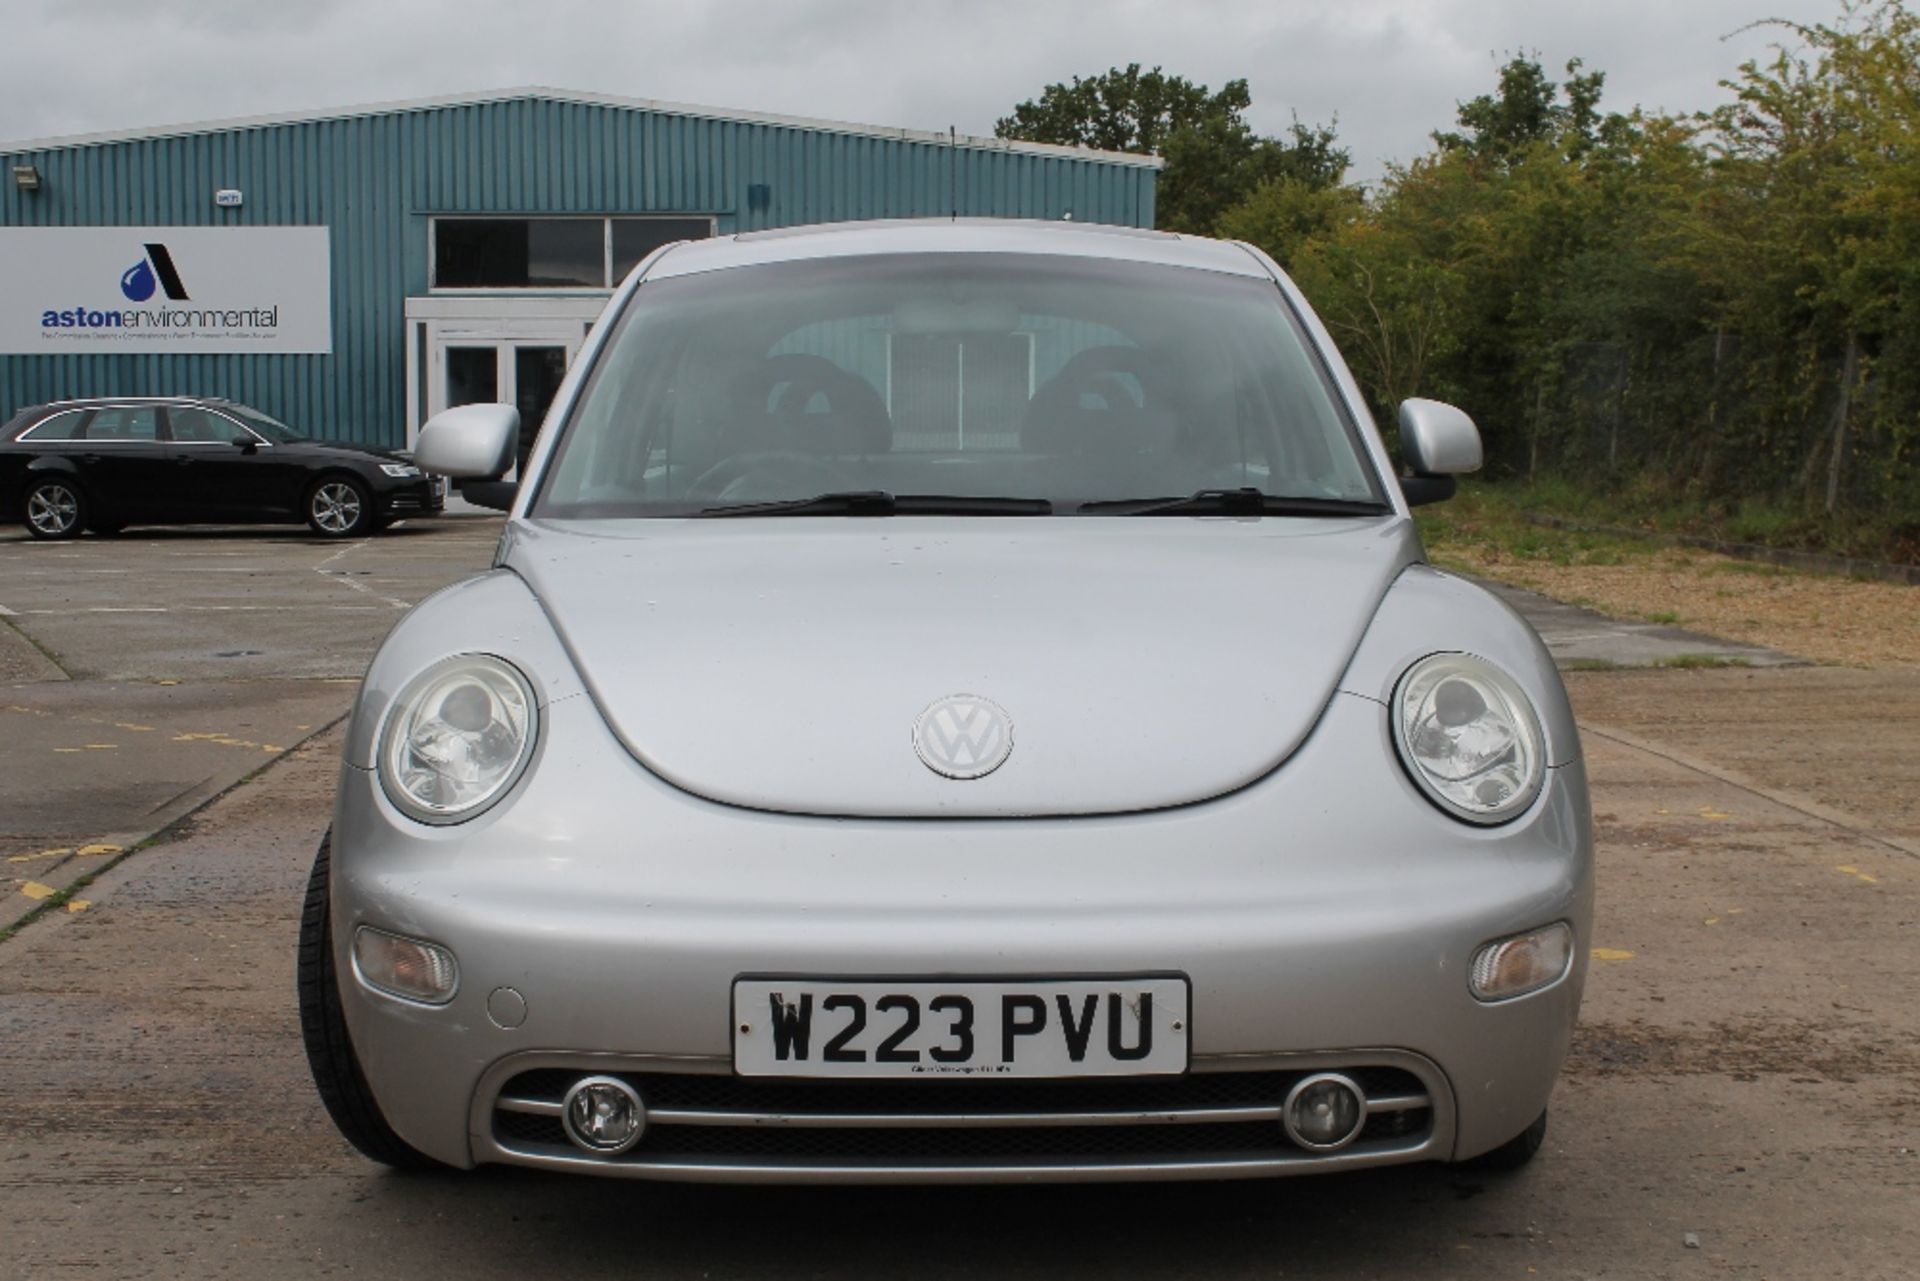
782 663
356 449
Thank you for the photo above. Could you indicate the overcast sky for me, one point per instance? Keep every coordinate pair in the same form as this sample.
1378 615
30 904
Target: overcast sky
1391 70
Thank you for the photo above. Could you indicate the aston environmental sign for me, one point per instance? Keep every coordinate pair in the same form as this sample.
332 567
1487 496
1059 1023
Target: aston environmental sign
112 290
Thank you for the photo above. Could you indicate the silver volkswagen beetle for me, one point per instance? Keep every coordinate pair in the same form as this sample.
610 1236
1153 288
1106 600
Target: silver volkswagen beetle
953 701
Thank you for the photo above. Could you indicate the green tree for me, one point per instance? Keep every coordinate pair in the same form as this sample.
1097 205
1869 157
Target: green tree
1719 309
1214 159
1122 110
1819 225
1524 111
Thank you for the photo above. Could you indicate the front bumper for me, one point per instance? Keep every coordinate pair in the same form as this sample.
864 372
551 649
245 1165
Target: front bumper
424 497
1325 916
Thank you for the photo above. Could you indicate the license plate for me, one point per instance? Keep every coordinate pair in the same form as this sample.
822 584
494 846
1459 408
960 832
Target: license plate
1118 1026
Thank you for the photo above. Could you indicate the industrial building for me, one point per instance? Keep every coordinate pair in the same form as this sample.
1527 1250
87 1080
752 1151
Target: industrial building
353 272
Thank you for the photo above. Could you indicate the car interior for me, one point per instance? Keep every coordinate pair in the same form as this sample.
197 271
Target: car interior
978 388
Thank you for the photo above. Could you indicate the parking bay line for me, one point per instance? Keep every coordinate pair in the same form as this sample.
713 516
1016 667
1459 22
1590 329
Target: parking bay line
340 576
1788 800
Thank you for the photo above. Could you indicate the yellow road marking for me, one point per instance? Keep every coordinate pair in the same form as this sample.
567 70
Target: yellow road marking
138 729
102 747
1612 954
62 852
79 904
1857 874
223 740
35 890
1711 920
1711 814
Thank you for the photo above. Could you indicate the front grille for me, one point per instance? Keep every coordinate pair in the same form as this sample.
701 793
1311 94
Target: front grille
708 1121
413 502
676 1090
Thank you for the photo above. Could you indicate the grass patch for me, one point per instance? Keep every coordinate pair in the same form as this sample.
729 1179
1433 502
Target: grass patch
1693 661
1664 616
1488 522
1491 513
1752 569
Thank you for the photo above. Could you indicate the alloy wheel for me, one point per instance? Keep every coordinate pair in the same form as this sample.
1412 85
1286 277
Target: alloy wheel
336 507
53 510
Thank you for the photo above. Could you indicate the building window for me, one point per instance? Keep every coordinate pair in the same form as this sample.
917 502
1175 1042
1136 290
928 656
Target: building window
549 253
635 238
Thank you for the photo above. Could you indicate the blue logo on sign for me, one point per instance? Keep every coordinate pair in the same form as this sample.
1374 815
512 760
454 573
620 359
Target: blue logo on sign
155 271
137 282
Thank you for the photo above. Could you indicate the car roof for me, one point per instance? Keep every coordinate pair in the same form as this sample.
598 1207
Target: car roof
29 416
955 235
93 402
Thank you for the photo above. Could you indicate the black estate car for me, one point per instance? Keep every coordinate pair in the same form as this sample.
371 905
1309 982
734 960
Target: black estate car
108 463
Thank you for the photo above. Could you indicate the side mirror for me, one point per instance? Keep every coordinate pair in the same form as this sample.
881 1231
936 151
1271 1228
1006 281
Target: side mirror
469 442
246 444
1440 442
495 495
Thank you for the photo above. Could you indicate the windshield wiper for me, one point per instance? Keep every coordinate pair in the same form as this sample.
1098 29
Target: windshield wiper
1234 502
878 502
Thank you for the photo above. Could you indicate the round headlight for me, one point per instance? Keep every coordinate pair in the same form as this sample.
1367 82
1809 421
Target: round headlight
1469 736
456 738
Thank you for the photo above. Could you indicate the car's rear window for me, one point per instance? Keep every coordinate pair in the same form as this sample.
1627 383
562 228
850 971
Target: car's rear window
976 375
62 426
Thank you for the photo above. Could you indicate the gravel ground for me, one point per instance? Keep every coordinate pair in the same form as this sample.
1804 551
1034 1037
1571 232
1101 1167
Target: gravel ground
1841 621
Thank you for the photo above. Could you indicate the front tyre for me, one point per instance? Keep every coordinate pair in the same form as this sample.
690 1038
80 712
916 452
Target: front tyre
336 1072
56 509
340 507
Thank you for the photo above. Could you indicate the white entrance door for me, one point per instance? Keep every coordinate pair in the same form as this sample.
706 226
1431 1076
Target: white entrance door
522 367
464 348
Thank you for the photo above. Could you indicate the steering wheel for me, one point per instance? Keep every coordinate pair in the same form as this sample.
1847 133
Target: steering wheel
730 478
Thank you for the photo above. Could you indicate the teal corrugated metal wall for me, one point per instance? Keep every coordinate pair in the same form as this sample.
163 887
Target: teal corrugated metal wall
375 179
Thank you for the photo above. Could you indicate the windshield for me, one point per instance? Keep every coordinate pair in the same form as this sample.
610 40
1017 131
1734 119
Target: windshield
272 428
973 376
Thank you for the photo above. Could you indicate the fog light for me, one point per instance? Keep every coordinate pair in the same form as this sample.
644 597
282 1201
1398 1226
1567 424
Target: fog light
1525 963
404 967
1324 1113
603 1115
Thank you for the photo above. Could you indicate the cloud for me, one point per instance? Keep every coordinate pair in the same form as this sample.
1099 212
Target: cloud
1390 70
